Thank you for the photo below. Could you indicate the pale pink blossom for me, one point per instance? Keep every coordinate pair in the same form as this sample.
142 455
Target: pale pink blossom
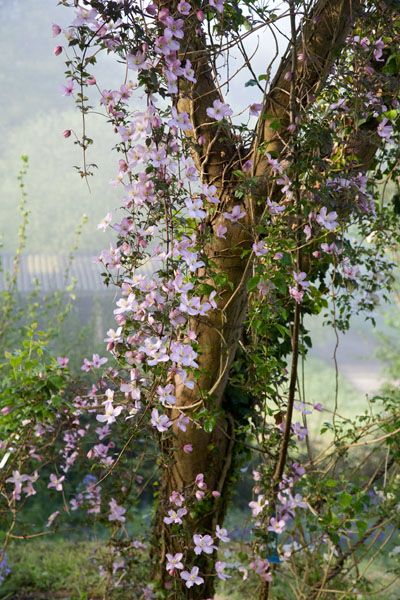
192 578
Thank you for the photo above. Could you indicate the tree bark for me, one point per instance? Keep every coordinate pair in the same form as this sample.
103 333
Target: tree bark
216 156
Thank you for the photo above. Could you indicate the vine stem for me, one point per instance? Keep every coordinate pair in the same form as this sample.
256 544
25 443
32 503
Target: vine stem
280 466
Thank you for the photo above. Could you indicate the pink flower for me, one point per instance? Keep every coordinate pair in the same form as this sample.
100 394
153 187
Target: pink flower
52 517
221 231
192 578
56 482
219 110
259 248
63 361
255 109
17 479
109 413
379 46
222 534
55 29
300 279
116 512
105 222
137 61
296 294
276 526
175 516
385 131
327 220
160 422
187 448
218 5
203 543
184 7
68 88
261 567
235 214
97 362
57 50
176 498
274 208
258 505
174 562
219 568
201 484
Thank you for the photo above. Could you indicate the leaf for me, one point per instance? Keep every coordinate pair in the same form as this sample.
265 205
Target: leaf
253 282
209 424
345 499
250 83
331 483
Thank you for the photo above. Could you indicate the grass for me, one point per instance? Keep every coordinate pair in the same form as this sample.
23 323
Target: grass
65 570
55 566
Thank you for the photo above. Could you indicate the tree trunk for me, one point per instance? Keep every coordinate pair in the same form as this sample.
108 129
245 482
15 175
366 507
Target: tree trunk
217 156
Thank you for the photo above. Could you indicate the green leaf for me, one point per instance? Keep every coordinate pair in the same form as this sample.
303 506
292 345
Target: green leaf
253 282
209 423
345 499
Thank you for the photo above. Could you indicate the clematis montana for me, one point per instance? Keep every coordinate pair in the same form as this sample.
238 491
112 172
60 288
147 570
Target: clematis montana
203 543
192 578
219 110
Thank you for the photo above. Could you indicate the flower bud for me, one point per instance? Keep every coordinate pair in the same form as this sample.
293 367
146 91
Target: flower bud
55 29
67 133
57 50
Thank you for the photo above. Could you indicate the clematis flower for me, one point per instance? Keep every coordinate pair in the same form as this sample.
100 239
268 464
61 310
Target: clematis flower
160 422
220 231
218 5
137 61
116 512
219 110
175 516
235 214
222 534
105 222
174 561
258 505
203 543
192 578
184 7
63 361
385 131
56 482
68 88
259 248
327 220
55 30
276 526
300 279
110 412
51 518
255 109
219 568
17 479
